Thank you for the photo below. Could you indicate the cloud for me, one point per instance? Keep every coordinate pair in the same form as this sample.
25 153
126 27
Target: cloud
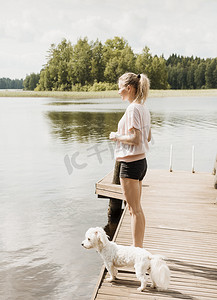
28 28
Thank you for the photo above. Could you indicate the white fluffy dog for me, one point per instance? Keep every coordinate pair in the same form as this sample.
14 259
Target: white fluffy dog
115 255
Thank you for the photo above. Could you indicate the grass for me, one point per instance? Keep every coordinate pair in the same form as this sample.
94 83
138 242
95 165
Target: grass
107 94
61 95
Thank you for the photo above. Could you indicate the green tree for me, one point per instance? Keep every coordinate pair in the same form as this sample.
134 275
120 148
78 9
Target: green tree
97 62
191 76
83 64
113 47
154 67
172 77
182 77
199 75
210 74
80 63
158 75
126 61
31 81
54 76
7 83
119 58
45 81
144 62
215 76
51 69
65 53
111 70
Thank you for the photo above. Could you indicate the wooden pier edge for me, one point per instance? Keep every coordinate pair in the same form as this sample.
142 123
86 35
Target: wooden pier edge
103 269
181 215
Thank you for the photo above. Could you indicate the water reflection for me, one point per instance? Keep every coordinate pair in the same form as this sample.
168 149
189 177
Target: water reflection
157 120
83 126
86 126
188 120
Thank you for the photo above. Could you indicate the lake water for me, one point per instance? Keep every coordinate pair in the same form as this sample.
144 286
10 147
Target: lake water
52 153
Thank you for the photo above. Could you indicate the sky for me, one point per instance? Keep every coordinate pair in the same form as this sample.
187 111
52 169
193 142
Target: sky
28 28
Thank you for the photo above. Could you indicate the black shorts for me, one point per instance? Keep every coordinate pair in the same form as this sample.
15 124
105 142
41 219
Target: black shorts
134 170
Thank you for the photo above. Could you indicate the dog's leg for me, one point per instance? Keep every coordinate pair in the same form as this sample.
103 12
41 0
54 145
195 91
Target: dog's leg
112 272
141 275
153 285
115 272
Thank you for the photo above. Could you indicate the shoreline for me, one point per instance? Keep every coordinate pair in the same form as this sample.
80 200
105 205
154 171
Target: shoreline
106 94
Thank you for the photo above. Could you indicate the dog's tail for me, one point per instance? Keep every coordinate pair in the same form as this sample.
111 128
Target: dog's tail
160 273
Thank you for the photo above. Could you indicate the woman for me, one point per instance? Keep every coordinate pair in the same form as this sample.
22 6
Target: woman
132 139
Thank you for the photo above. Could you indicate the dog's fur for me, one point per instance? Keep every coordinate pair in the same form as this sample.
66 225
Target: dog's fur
115 255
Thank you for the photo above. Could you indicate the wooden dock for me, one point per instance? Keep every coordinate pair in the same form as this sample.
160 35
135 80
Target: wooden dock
181 224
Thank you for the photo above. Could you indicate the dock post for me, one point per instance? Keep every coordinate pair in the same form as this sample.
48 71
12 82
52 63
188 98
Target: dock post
215 173
116 178
215 166
193 155
115 204
171 157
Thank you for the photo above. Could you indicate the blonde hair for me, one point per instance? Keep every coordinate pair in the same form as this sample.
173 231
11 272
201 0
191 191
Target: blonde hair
140 82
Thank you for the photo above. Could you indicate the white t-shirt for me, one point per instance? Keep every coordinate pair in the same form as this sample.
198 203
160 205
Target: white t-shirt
136 116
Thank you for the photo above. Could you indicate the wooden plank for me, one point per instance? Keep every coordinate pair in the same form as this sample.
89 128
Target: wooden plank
181 219
103 270
109 194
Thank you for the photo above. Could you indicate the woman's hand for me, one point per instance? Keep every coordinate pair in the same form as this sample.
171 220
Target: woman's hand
112 136
134 137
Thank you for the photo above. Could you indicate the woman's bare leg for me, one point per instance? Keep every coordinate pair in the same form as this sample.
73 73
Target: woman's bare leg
140 185
132 192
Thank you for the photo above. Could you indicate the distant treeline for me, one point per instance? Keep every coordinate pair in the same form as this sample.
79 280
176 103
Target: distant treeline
191 73
7 83
96 66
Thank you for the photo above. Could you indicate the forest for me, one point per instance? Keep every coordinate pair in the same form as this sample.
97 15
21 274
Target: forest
94 66
7 83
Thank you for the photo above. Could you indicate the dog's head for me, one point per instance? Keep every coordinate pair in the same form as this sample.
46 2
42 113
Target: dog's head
95 238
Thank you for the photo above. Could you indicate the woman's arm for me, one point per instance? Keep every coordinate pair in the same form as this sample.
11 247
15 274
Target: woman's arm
134 138
149 135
